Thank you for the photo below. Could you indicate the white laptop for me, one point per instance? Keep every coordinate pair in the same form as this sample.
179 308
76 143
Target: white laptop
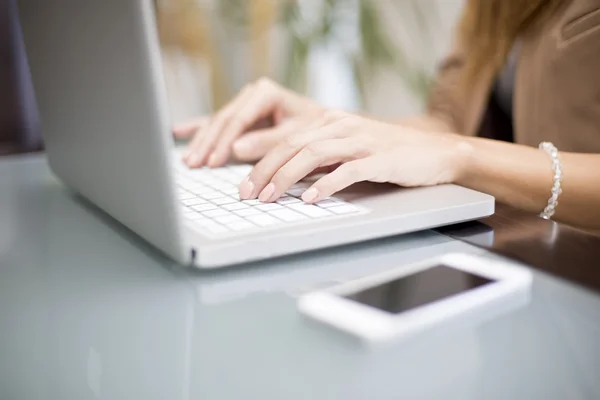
97 72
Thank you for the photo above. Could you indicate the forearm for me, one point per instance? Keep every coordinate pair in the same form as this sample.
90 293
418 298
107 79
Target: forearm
522 176
423 122
427 123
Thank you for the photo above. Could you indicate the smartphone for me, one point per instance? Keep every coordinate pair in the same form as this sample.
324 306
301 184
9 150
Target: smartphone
413 298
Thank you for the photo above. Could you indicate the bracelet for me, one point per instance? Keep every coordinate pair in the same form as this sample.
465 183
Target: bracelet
557 167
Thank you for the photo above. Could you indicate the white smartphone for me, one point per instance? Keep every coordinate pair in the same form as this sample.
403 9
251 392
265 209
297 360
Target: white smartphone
408 300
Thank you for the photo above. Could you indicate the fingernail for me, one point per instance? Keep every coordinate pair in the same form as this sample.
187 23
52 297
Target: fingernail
242 147
310 195
193 160
267 193
213 160
246 189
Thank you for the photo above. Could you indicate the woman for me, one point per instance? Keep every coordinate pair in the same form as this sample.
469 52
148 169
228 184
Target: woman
535 62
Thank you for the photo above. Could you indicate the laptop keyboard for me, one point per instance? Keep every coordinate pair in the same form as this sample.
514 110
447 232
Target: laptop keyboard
210 201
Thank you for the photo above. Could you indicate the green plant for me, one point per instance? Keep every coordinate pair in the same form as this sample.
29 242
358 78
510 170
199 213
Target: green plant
375 48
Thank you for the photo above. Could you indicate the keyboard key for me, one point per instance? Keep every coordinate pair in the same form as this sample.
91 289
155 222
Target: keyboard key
241 226
288 200
229 219
247 212
310 210
193 202
328 203
201 190
204 207
195 185
235 206
216 213
223 186
234 179
222 173
198 176
227 186
296 192
197 217
211 182
224 200
268 207
254 202
263 220
231 191
212 195
241 169
219 171
344 209
185 182
197 173
287 215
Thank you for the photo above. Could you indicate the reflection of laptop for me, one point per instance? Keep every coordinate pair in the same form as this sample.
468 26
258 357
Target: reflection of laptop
317 270
97 72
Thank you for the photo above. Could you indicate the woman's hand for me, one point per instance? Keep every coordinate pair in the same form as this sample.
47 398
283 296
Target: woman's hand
216 137
364 149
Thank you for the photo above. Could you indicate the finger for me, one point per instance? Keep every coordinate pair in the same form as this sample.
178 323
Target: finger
314 155
360 170
254 145
199 147
187 129
263 172
278 116
323 119
260 104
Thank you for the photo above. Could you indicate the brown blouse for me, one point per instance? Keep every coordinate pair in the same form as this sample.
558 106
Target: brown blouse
557 84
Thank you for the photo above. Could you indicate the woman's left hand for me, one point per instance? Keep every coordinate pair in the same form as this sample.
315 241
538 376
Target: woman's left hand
363 150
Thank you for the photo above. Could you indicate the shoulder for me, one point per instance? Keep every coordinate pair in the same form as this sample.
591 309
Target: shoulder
558 87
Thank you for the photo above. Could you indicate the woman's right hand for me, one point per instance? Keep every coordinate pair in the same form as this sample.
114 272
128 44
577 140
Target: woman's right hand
215 138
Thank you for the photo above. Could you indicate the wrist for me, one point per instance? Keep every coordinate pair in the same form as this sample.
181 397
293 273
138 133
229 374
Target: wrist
426 123
461 154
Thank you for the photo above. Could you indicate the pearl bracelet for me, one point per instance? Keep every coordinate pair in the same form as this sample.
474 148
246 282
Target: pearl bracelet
557 167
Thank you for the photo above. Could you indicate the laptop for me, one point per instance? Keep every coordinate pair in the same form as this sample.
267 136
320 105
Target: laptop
98 77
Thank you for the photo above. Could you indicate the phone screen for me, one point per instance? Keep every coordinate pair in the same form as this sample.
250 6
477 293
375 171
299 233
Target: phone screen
414 290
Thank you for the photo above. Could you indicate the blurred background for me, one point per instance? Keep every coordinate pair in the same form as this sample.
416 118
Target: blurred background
373 55
19 129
